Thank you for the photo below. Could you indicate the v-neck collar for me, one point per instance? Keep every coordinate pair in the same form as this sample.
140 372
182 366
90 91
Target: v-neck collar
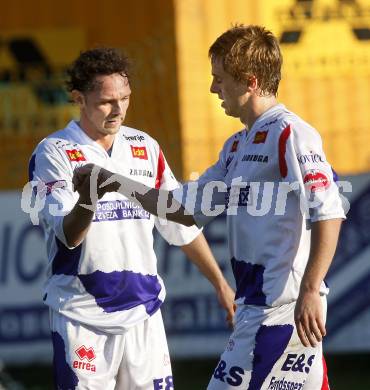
262 117
83 138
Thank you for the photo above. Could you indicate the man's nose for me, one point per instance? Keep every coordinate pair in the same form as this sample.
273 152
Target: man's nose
213 88
118 108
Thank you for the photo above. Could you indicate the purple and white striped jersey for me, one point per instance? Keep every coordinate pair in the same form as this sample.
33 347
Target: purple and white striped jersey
274 181
110 280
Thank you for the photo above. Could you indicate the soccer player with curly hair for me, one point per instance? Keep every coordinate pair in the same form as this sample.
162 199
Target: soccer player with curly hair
103 288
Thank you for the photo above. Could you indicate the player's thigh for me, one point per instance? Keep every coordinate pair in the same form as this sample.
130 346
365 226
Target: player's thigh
318 377
84 359
264 352
235 366
146 363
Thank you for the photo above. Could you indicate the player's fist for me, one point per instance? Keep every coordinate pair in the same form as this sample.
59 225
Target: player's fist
92 182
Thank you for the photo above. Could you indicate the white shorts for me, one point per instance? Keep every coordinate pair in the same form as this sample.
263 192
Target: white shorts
87 359
264 352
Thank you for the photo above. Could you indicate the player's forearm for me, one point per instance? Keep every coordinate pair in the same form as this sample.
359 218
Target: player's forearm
200 254
157 202
324 238
76 224
160 203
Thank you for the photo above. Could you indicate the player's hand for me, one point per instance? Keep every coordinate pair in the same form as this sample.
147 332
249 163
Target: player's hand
89 181
309 318
226 298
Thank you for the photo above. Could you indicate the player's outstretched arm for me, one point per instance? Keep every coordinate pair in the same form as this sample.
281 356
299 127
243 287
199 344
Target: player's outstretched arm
157 202
199 252
308 312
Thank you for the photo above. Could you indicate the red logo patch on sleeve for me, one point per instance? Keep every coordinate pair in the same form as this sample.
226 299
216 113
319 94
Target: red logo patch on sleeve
139 152
315 180
75 155
234 147
260 137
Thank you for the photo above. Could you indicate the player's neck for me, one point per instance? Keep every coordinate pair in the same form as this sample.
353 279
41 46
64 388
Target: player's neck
256 106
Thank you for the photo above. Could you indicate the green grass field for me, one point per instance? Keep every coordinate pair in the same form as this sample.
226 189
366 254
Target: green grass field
346 372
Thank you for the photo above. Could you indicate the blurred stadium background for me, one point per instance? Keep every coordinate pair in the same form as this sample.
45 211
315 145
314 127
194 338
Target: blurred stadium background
326 79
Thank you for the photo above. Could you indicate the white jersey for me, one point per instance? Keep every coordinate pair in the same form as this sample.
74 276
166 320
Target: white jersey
273 169
110 280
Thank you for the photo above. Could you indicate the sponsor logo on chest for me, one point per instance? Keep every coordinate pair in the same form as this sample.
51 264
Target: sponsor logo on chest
75 155
256 158
310 158
141 172
138 138
139 152
260 137
116 210
237 196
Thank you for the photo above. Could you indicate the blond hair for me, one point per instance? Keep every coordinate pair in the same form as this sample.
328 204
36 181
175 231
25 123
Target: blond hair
248 51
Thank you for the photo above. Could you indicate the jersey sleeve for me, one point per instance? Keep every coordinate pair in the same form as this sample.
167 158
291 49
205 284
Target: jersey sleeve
303 165
51 178
173 233
205 198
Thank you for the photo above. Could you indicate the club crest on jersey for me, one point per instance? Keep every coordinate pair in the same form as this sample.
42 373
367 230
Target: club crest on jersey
83 354
139 152
260 137
315 180
75 155
234 147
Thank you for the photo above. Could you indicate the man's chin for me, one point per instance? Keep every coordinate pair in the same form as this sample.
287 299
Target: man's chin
228 112
110 129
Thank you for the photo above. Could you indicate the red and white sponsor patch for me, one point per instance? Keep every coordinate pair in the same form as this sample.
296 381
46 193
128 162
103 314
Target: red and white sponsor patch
87 354
75 155
316 180
139 152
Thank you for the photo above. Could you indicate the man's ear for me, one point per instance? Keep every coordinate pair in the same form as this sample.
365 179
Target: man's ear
78 97
252 83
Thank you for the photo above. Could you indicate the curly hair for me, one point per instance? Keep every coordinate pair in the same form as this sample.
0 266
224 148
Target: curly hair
248 51
95 62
